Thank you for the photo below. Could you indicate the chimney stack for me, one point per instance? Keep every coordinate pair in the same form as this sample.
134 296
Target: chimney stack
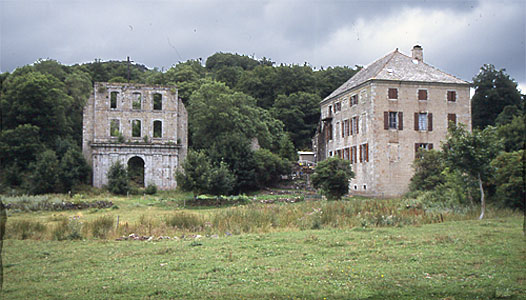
418 53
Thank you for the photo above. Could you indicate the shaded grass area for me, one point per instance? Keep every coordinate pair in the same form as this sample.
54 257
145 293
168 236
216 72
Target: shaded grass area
453 260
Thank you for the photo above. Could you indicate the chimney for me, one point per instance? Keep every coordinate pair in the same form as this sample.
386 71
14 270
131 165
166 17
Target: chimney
418 53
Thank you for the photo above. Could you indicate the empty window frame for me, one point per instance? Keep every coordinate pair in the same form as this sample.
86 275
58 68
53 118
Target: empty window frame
422 94
136 128
136 100
392 93
451 120
115 127
157 129
393 120
113 99
157 101
451 96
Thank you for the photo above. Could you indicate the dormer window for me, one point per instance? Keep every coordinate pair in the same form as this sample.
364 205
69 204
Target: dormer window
393 93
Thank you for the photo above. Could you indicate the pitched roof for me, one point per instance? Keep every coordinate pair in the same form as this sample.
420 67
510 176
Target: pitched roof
398 67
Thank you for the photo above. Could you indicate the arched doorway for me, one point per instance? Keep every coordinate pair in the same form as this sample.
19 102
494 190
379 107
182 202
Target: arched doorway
136 171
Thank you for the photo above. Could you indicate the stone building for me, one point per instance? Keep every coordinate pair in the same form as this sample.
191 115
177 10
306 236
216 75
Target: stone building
382 116
142 126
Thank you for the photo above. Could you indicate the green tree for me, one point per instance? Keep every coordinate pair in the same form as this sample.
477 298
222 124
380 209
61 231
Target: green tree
471 154
195 174
73 169
513 134
494 90
332 177
429 171
221 181
44 175
118 179
269 167
300 112
509 178
36 99
327 80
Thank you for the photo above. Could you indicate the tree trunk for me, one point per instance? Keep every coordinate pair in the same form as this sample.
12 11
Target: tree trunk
482 200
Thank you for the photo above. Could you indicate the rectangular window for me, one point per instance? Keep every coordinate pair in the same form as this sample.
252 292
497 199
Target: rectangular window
346 154
157 129
393 93
330 132
354 100
347 132
113 99
157 101
422 94
451 120
337 107
422 121
364 124
451 96
419 147
115 127
136 128
343 129
393 120
339 154
136 101
364 152
330 110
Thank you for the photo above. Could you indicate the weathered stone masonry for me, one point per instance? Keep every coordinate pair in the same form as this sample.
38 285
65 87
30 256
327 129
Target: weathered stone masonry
122 121
380 117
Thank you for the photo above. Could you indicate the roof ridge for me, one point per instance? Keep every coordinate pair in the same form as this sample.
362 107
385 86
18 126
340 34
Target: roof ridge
435 68
385 64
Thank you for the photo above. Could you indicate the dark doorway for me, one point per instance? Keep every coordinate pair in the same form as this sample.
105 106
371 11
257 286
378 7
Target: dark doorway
136 171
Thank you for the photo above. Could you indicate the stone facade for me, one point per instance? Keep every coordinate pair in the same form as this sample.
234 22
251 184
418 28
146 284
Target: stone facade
381 117
124 121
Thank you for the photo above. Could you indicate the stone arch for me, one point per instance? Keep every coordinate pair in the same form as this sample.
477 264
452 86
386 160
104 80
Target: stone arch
136 170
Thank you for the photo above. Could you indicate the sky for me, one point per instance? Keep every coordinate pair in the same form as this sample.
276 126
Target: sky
458 37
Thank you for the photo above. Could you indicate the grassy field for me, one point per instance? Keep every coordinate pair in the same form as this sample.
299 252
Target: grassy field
456 259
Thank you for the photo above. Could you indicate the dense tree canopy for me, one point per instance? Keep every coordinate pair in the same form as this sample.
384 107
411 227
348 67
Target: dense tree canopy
494 90
332 177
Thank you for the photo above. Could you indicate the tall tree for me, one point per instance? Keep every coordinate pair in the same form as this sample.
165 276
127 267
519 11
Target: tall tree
471 153
494 90
300 112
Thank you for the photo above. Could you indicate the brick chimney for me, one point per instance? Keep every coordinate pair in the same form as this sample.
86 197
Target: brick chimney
418 53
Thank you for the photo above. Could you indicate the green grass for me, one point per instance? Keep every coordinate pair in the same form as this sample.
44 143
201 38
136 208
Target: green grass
453 260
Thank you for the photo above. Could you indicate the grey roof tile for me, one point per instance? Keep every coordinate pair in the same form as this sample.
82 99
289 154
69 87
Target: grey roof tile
397 67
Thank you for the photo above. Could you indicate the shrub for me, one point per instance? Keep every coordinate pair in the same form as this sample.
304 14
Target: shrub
332 177
118 179
151 189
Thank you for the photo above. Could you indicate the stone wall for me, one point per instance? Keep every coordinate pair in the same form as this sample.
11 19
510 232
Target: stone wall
390 153
162 153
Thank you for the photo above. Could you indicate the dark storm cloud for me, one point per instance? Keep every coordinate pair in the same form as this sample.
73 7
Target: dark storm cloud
458 36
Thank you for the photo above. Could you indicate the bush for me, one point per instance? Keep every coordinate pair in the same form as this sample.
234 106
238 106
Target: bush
151 189
332 177
118 179
25 229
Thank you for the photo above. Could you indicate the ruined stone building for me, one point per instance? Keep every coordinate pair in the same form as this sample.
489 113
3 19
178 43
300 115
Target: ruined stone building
144 127
382 116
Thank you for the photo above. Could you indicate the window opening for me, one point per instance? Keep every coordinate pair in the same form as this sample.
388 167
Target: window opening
113 99
157 101
451 96
354 100
157 129
451 120
422 94
393 93
136 128
136 101
114 127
